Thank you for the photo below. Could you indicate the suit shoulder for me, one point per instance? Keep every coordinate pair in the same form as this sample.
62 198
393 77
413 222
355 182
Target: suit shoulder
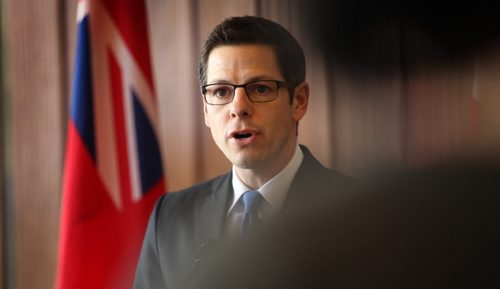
314 169
188 197
340 177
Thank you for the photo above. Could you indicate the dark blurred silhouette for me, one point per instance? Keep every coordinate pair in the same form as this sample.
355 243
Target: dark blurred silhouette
434 228
373 36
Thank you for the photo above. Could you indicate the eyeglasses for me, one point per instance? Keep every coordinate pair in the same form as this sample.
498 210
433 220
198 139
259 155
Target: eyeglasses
257 91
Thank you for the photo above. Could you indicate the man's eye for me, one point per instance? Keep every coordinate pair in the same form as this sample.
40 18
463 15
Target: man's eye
221 92
261 89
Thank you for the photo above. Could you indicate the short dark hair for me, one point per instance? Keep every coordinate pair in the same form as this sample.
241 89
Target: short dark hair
257 30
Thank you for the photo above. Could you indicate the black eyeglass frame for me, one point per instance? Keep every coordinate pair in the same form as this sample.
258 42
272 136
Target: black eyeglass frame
279 84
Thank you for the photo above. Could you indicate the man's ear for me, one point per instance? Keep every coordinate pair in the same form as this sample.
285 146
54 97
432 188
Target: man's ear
300 101
205 113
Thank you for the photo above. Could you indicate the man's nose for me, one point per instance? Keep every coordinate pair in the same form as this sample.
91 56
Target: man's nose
241 104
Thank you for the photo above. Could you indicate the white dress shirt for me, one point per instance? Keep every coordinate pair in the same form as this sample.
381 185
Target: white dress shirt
274 192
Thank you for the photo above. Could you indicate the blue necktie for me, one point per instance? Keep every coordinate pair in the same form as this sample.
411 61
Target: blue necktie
251 204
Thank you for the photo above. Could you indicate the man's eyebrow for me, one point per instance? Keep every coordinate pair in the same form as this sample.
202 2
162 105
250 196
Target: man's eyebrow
251 79
261 77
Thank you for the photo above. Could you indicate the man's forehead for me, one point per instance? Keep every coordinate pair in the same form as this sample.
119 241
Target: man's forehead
242 61
245 48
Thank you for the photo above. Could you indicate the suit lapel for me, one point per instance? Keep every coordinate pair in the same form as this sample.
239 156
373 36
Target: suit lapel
213 210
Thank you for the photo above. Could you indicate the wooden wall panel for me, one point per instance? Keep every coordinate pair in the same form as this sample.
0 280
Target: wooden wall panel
366 121
68 51
484 124
3 153
175 54
35 137
3 258
366 103
438 115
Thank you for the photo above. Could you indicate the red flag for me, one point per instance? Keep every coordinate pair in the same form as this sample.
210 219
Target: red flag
113 169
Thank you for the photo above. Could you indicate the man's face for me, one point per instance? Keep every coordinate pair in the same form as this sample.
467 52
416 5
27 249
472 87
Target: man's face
253 135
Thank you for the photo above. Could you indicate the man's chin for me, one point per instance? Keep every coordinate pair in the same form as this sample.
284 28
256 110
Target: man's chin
246 162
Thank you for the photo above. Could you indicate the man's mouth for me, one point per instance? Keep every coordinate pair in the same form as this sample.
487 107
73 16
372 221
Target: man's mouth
242 135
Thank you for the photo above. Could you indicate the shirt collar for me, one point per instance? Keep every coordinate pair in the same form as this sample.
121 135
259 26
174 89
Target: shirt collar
275 190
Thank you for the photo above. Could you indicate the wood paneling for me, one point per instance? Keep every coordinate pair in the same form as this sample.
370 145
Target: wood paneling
174 54
35 136
3 207
438 115
366 120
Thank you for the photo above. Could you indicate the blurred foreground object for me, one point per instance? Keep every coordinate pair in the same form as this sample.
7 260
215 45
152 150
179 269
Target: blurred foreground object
373 35
435 228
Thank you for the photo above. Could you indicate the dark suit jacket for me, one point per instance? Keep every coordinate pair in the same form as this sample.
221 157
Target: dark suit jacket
184 224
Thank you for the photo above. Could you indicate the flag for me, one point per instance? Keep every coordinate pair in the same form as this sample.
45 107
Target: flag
113 168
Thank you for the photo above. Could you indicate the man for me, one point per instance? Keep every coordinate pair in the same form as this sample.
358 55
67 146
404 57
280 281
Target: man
252 73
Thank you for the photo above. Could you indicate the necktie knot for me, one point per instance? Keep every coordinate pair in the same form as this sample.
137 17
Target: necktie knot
251 204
